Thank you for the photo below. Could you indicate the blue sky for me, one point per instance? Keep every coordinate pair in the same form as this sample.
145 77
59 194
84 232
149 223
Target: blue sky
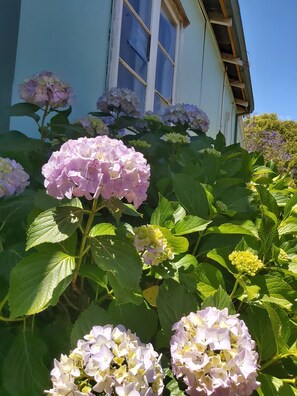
270 28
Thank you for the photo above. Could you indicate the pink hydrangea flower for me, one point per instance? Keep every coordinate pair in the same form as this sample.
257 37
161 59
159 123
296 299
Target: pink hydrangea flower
46 88
99 166
110 361
214 354
13 178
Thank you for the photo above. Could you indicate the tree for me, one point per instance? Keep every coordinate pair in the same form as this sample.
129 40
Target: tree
275 138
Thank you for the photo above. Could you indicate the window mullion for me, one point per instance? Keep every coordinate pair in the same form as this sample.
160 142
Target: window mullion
151 71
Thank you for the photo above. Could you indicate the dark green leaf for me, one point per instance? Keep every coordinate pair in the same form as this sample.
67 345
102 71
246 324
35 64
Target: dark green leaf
118 256
209 280
24 373
260 328
24 109
173 302
138 318
191 195
91 316
273 386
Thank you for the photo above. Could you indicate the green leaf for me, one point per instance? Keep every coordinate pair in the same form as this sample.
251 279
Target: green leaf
280 325
24 373
54 225
185 262
260 328
274 289
191 194
173 302
102 229
288 226
167 213
178 244
273 386
190 224
34 280
91 316
93 272
290 204
209 280
268 232
124 295
267 199
245 228
118 256
130 316
173 388
220 299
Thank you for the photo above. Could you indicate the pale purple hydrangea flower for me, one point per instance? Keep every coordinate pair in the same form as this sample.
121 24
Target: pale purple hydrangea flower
99 166
46 88
152 245
188 115
93 125
13 178
214 354
109 360
119 101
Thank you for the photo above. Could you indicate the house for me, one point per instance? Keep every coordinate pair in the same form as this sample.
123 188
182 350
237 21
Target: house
168 51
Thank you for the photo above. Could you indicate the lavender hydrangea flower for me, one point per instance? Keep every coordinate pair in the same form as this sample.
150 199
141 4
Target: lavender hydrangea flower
214 354
93 125
188 115
13 178
99 166
46 88
119 101
109 360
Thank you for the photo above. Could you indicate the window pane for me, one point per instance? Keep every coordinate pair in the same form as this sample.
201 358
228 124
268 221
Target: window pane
167 34
127 80
164 76
134 43
159 104
143 9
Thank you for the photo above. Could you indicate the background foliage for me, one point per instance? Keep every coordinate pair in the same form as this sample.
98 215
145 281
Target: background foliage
208 199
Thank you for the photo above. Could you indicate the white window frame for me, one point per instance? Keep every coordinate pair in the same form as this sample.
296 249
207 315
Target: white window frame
114 53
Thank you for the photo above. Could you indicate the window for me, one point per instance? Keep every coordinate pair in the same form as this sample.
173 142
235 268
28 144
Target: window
145 45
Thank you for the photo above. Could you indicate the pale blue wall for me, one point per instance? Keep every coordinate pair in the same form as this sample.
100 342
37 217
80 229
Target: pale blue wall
70 38
191 51
201 73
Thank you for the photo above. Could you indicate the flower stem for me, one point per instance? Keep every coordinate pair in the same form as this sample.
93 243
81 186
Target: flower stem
46 112
278 357
234 288
83 249
197 244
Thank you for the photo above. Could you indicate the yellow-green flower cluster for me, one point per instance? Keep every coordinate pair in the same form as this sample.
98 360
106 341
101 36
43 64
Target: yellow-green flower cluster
151 244
246 262
175 138
140 143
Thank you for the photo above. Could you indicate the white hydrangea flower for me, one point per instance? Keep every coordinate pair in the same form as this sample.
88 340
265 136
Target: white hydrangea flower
109 360
214 354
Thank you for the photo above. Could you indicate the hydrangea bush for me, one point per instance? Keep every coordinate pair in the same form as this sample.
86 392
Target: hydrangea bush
150 226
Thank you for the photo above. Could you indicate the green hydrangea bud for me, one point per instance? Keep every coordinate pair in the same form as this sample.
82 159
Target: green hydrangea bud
246 262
